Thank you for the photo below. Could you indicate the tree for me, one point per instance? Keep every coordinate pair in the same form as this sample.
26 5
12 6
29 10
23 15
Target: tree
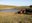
30 6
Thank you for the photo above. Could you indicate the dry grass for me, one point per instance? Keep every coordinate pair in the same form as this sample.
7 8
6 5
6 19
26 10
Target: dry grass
10 7
11 17
6 7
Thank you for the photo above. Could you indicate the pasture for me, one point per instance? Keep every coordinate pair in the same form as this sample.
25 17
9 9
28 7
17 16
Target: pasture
11 17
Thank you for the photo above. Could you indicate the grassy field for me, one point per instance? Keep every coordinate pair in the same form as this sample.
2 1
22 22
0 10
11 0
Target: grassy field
11 17
6 7
11 7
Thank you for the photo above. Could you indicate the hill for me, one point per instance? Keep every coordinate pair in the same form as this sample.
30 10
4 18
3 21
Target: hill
11 7
6 7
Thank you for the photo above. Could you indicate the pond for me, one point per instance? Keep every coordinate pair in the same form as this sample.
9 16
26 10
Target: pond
9 10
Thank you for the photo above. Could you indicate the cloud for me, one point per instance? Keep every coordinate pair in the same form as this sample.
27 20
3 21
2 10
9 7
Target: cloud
16 2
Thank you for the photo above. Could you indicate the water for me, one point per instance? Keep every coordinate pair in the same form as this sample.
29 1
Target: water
9 10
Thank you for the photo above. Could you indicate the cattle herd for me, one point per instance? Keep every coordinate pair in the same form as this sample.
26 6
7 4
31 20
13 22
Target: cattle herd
26 11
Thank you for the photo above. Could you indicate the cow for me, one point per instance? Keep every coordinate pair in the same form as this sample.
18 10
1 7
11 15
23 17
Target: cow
22 11
26 11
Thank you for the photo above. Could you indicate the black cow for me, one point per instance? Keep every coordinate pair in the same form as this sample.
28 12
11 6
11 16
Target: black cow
28 11
19 12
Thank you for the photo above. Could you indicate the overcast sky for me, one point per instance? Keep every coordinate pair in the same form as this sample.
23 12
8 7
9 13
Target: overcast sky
16 2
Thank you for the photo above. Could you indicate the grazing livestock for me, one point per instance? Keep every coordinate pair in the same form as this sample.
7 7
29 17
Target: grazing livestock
25 11
29 11
22 11
19 12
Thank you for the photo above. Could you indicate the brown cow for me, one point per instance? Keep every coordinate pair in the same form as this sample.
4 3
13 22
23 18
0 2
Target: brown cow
22 11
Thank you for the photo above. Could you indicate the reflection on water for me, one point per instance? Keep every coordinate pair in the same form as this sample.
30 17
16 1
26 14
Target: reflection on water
9 10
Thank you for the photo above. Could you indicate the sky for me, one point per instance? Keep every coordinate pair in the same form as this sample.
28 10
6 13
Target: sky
16 2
